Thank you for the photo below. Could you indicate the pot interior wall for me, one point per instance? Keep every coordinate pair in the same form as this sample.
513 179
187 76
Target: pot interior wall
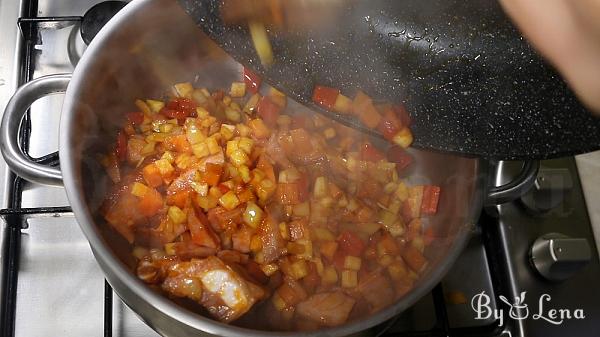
159 46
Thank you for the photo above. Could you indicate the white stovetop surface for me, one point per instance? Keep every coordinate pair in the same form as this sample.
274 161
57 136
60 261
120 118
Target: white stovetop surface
589 173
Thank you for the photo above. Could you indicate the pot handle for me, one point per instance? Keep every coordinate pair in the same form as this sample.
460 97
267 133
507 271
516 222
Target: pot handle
517 187
11 121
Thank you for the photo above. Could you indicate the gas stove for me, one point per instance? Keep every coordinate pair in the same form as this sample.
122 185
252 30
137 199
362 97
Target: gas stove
528 270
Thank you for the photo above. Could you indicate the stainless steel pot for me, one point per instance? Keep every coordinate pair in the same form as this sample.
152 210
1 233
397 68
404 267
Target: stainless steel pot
147 47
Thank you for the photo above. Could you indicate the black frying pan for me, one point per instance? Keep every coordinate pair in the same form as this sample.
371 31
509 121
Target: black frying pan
471 82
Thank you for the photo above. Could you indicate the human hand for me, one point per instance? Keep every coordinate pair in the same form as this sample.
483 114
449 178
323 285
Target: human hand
567 33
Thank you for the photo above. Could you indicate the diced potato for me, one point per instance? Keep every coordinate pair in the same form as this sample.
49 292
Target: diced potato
385 260
328 249
329 133
201 150
269 269
183 90
143 106
244 172
403 138
226 100
232 146
250 106
259 129
302 209
229 200
183 161
246 144
369 228
207 202
243 130
166 128
402 191
208 121
199 97
262 45
298 269
227 131
284 231
277 97
352 262
343 104
319 264
164 166
290 175
349 278
139 189
213 145
265 190
320 190
323 234
193 133
155 106
200 188
294 248
253 215
239 157
177 215
256 244
238 89
307 253
397 270
233 115
202 113
278 302
330 275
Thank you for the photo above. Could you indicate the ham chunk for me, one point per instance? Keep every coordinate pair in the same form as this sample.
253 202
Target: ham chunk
377 290
225 294
329 309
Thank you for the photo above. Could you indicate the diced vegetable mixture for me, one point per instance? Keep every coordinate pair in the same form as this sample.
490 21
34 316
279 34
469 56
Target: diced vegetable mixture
264 216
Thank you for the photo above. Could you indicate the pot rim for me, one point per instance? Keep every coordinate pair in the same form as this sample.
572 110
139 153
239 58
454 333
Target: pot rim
162 303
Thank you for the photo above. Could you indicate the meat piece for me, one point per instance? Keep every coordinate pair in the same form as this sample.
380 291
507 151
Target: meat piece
329 308
183 286
377 290
272 242
226 294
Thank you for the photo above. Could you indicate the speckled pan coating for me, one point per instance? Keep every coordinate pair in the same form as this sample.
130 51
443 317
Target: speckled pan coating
470 81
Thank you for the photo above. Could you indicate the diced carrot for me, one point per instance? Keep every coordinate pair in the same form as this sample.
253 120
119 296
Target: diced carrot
152 175
350 244
369 152
121 146
400 156
150 203
431 198
200 230
365 110
288 193
268 111
212 174
414 258
252 81
178 143
179 199
325 96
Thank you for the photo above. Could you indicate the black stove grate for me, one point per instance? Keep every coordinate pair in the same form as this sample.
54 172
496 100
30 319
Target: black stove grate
16 217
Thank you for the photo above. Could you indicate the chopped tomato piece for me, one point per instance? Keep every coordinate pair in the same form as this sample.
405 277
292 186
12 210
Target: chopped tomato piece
268 110
121 146
136 118
178 143
213 173
150 203
252 81
431 198
152 175
325 96
368 152
389 124
350 244
179 199
400 156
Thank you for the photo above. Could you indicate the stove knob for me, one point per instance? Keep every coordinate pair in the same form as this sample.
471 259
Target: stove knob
557 257
550 189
